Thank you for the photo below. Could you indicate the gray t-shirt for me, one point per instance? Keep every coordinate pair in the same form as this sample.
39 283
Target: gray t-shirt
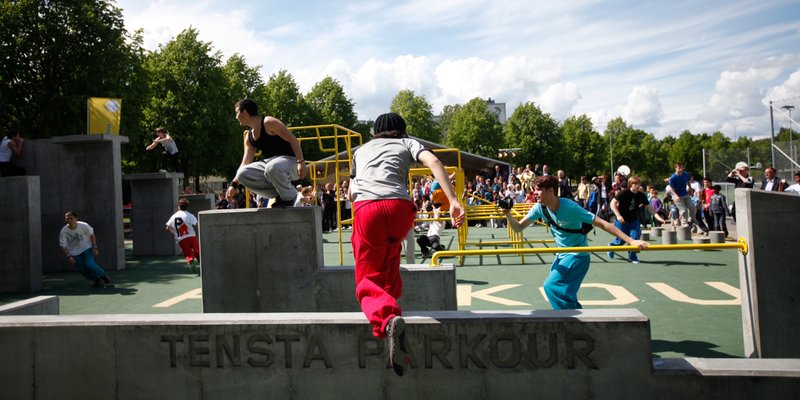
380 169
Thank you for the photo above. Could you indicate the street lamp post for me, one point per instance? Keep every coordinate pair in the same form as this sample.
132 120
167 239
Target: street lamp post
789 108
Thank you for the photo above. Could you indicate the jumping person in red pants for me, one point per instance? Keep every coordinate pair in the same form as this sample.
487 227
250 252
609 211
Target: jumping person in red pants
383 215
182 224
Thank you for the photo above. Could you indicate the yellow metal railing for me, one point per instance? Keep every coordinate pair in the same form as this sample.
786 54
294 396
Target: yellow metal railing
741 245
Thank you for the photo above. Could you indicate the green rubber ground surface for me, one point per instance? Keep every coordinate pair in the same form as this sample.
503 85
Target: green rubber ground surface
689 317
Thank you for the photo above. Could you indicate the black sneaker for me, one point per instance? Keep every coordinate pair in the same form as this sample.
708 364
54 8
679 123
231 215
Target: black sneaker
395 340
280 203
106 280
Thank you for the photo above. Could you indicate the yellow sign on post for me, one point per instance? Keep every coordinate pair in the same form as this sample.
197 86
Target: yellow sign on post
103 115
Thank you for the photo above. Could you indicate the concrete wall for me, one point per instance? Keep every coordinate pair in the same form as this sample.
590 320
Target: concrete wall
199 202
769 274
20 235
576 354
270 260
81 173
154 198
39 305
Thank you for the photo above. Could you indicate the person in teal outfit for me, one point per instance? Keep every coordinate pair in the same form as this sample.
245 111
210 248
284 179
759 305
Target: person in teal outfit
569 223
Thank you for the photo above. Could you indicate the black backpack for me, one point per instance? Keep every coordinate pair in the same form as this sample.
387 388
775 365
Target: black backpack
585 228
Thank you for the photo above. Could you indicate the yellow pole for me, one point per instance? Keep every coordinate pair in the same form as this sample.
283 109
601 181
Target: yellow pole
741 245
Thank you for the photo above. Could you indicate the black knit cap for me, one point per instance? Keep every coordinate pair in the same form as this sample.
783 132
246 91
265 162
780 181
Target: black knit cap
390 122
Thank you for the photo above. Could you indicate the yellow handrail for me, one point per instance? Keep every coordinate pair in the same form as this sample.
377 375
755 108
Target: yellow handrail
741 245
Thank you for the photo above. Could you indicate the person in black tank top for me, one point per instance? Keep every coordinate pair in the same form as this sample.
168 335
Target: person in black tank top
282 160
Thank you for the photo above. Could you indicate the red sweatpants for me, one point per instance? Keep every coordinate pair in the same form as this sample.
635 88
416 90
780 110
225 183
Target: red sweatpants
379 227
190 248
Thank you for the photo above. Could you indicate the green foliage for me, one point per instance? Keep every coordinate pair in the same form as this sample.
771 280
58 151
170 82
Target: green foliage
418 115
56 54
446 118
474 129
330 104
192 100
583 147
283 100
536 133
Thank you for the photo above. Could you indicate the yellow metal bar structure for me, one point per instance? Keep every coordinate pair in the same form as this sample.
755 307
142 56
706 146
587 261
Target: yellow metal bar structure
340 133
741 245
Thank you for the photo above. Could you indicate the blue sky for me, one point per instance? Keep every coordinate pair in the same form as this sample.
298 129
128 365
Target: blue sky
662 66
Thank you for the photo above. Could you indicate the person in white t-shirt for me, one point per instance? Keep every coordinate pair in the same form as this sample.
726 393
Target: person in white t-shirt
794 188
79 245
170 153
183 226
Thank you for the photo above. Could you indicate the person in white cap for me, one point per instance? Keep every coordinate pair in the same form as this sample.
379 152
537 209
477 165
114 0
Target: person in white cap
740 177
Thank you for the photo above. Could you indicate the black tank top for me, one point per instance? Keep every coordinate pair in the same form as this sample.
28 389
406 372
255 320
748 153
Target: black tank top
270 145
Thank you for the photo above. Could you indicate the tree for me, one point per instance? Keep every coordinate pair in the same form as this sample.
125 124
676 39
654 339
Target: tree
283 100
56 54
418 115
688 151
474 129
191 98
536 133
446 118
583 147
330 104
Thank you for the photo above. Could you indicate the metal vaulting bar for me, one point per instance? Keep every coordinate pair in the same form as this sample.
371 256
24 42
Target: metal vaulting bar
741 245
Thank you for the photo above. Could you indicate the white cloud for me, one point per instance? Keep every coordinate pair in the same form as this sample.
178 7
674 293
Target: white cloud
559 100
643 109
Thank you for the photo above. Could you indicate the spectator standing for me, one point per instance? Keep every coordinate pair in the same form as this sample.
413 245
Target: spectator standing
564 190
79 246
183 226
719 208
770 182
170 152
795 187
11 146
583 192
740 177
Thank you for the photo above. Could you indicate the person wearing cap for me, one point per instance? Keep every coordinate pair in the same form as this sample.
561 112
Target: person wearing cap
740 178
183 226
383 215
282 160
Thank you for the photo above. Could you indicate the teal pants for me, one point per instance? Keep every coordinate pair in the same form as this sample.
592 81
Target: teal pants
86 265
566 275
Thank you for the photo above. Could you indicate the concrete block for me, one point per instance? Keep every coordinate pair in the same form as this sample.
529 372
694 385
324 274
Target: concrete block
683 232
716 237
646 236
21 234
655 231
199 202
39 305
454 355
769 276
81 173
669 237
270 260
154 197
